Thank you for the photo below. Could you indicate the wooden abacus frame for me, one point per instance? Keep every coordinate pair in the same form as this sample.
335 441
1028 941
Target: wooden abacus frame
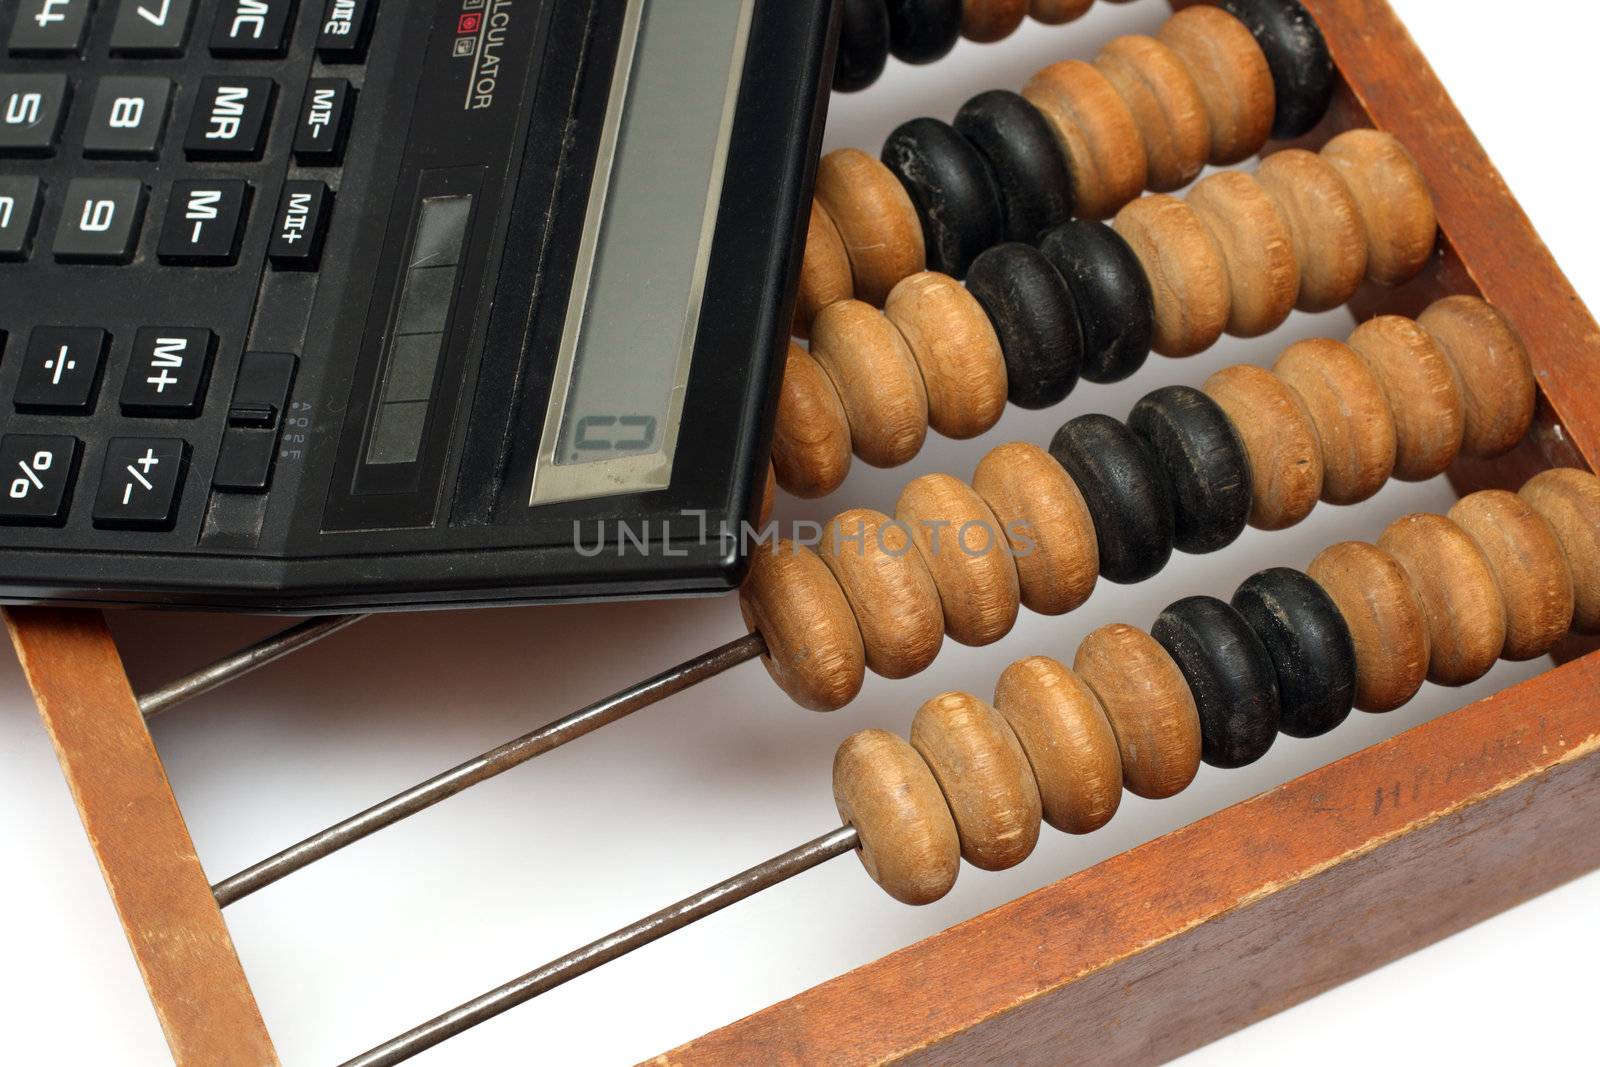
1152 952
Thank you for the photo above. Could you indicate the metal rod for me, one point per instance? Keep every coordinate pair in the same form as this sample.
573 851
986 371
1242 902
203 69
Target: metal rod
481 768
610 947
243 662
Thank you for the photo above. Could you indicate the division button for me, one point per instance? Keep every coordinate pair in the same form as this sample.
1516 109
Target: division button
346 27
230 118
205 222
36 474
252 27
324 122
61 369
19 214
49 26
100 220
300 224
140 483
151 27
128 117
31 109
167 372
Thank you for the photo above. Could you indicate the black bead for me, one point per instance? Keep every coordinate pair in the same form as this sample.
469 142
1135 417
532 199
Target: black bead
952 189
923 31
1126 491
863 45
1030 170
1115 304
1309 644
1198 447
1297 54
1230 674
1036 320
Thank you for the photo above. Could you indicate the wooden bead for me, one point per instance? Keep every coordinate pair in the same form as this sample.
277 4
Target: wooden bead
1058 12
1149 706
1096 131
1029 167
769 497
877 379
1280 439
824 272
890 592
814 649
863 45
1297 55
1387 624
1047 522
875 219
1396 203
923 31
1230 676
1309 644
987 21
954 345
1492 368
1036 318
1263 274
1529 566
1069 743
1459 595
985 778
1421 389
1205 461
1570 501
1116 310
965 549
811 441
1165 104
952 188
1330 237
1126 490
885 790
1351 415
1187 273
1231 72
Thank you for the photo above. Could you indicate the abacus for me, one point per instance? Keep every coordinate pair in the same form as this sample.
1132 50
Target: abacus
1469 366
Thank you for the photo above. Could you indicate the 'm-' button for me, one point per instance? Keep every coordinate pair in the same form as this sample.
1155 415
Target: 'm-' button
205 221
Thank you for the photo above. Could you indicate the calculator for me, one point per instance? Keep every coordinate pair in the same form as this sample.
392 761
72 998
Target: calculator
313 305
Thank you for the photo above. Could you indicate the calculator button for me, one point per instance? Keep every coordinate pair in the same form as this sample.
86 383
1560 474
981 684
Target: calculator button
205 221
128 117
300 224
100 220
49 25
151 27
250 443
230 118
36 472
19 213
31 109
61 369
140 483
167 372
252 27
346 26
324 124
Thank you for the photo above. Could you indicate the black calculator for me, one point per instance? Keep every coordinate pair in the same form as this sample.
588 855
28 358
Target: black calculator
313 305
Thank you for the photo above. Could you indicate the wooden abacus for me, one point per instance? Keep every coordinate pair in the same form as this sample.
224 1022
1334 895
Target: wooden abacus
1030 981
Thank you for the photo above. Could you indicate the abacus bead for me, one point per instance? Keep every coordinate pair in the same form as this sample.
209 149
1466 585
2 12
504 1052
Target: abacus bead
1459 595
954 345
1058 12
985 778
811 441
1570 501
877 378
769 496
1036 320
965 550
1205 462
1149 706
1070 744
1492 369
1422 392
987 21
1330 238
1030 170
1529 567
885 790
1280 439
824 271
1231 72
1127 492
814 649
863 45
1096 131
1352 418
1116 310
1187 274
1387 624
1396 204
1230 676
952 189
1312 653
890 592
1047 523
1297 54
1263 274
923 31
1165 104
875 218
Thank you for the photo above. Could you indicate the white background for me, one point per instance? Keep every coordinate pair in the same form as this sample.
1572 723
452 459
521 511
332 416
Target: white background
523 869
